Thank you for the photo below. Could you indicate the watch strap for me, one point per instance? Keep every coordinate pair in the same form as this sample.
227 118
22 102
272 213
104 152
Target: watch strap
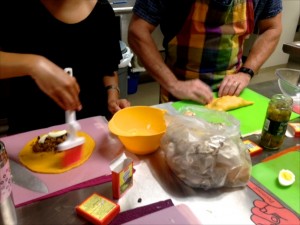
246 70
113 87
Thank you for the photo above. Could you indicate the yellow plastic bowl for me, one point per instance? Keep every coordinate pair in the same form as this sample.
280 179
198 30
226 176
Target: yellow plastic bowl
139 128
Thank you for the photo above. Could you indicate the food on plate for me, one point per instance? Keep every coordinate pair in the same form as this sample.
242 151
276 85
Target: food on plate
286 177
47 159
227 102
48 142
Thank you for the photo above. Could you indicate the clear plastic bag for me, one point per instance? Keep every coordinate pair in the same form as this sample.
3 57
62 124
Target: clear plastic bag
204 149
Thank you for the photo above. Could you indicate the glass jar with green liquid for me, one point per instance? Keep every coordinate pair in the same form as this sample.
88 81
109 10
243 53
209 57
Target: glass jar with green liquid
276 121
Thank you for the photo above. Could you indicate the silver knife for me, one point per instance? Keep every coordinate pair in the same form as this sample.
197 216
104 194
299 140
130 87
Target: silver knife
23 177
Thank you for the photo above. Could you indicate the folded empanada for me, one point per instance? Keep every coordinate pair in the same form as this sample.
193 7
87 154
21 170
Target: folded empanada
227 102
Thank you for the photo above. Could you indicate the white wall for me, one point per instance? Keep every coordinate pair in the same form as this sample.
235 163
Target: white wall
290 18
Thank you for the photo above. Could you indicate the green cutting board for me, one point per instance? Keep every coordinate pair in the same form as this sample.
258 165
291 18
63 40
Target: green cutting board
251 117
266 173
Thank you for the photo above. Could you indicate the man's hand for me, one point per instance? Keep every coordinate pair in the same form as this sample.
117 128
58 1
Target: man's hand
234 84
194 90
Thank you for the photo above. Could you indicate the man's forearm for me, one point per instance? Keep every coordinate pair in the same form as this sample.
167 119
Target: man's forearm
264 45
143 45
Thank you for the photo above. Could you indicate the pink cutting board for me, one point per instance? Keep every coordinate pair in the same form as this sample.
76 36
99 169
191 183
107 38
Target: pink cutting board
97 166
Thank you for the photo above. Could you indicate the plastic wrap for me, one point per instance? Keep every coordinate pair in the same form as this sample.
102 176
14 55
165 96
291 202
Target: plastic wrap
204 149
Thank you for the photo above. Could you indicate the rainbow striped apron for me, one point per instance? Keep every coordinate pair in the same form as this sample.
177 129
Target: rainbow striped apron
209 46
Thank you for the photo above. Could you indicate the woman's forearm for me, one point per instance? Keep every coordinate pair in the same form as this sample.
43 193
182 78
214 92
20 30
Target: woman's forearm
111 83
15 64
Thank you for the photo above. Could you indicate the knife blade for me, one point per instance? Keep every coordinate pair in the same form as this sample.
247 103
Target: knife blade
23 177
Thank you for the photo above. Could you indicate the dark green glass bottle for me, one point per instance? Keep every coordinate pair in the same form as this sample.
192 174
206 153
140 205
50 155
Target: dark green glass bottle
276 121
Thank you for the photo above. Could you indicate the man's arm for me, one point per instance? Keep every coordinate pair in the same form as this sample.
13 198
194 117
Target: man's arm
269 34
143 45
266 42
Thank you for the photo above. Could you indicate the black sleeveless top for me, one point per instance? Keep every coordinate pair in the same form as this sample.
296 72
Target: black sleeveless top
91 47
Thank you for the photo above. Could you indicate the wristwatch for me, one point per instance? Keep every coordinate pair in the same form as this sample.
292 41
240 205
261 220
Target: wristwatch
109 87
246 70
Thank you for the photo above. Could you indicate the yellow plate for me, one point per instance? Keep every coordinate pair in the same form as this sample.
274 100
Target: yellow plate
50 162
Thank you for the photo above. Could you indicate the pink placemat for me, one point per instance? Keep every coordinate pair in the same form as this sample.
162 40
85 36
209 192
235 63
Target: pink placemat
94 171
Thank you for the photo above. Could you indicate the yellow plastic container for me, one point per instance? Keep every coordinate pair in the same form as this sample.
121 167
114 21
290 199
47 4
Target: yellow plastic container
139 128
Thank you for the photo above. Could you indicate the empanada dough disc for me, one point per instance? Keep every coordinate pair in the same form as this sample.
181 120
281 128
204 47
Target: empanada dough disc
50 162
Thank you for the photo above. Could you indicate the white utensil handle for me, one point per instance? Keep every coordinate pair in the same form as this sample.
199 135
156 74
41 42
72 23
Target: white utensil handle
70 114
69 71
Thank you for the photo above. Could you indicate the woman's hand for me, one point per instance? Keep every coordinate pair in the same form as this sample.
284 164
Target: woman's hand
56 83
50 78
115 105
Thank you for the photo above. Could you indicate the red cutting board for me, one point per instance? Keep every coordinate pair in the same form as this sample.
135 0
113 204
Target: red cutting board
266 173
251 117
